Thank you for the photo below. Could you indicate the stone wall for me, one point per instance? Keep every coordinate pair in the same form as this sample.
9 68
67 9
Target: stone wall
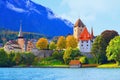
42 53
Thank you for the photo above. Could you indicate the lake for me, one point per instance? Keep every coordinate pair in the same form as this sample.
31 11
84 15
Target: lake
59 74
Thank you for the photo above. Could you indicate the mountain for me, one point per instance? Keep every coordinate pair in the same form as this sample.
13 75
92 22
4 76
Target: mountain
34 18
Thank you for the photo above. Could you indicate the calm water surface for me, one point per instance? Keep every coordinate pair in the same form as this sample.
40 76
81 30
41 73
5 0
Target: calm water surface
59 74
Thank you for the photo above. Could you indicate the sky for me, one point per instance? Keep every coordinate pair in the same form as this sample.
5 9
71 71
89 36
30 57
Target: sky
99 14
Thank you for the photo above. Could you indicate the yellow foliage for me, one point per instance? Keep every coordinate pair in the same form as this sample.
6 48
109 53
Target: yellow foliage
42 43
61 43
71 42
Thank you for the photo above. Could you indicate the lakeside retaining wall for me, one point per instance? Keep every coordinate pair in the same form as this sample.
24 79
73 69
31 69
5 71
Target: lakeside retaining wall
42 53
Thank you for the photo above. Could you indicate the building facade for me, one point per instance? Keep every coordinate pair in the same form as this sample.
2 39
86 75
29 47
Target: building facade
85 39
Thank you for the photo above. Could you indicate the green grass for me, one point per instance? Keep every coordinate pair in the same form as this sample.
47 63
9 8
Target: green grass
109 65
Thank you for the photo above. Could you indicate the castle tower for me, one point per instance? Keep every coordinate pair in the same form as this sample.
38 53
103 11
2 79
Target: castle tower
78 28
85 43
21 41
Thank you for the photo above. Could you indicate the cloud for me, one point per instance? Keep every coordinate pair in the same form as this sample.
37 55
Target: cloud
88 10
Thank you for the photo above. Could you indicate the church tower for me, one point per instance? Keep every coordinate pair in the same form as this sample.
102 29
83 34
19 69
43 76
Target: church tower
21 41
78 28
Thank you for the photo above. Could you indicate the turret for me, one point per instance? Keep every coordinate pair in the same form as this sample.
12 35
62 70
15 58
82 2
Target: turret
78 28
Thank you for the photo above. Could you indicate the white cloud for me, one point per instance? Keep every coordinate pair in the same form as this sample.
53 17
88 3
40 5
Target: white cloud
88 10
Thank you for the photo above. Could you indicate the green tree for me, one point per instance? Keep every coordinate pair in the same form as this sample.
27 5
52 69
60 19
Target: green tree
71 42
3 58
66 56
52 46
98 50
113 50
58 55
42 43
28 58
75 53
17 58
61 43
11 61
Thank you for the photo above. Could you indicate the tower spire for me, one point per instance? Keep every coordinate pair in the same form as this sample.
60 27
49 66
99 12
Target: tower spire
20 35
92 35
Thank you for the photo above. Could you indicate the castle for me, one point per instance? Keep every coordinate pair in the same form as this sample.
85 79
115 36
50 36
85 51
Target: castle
84 38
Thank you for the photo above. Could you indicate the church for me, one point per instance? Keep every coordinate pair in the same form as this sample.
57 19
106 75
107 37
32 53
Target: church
19 45
84 37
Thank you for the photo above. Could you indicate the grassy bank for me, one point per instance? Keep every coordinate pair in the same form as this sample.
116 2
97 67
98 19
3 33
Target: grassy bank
108 65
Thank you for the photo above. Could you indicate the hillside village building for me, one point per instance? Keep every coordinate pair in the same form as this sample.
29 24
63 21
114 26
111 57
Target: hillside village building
19 45
84 38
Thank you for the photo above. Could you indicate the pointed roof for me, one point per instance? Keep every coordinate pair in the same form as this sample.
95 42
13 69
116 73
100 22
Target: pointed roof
85 35
75 62
92 35
79 23
20 35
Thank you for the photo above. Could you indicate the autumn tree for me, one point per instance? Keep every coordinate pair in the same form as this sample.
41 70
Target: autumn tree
42 43
52 46
61 43
98 50
113 50
71 42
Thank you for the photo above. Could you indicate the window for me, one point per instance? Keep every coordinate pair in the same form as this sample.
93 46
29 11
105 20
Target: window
87 41
87 44
81 45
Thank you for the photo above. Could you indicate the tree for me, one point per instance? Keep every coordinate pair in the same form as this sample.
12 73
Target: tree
58 55
3 58
66 56
11 61
113 50
52 46
98 50
71 42
61 43
42 43
75 53
108 35
17 58
28 58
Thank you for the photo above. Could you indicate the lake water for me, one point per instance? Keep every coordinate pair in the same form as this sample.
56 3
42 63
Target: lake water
59 74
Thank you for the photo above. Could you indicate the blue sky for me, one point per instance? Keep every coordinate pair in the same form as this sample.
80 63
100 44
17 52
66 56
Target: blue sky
99 14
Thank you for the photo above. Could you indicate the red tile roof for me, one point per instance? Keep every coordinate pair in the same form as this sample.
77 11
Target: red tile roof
74 62
85 35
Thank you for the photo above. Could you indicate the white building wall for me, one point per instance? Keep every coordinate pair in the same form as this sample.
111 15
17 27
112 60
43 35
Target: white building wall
85 46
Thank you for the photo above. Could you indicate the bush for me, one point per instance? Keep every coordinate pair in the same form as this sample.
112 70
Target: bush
11 61
3 58
91 61
50 61
75 53
83 60
27 58
58 55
